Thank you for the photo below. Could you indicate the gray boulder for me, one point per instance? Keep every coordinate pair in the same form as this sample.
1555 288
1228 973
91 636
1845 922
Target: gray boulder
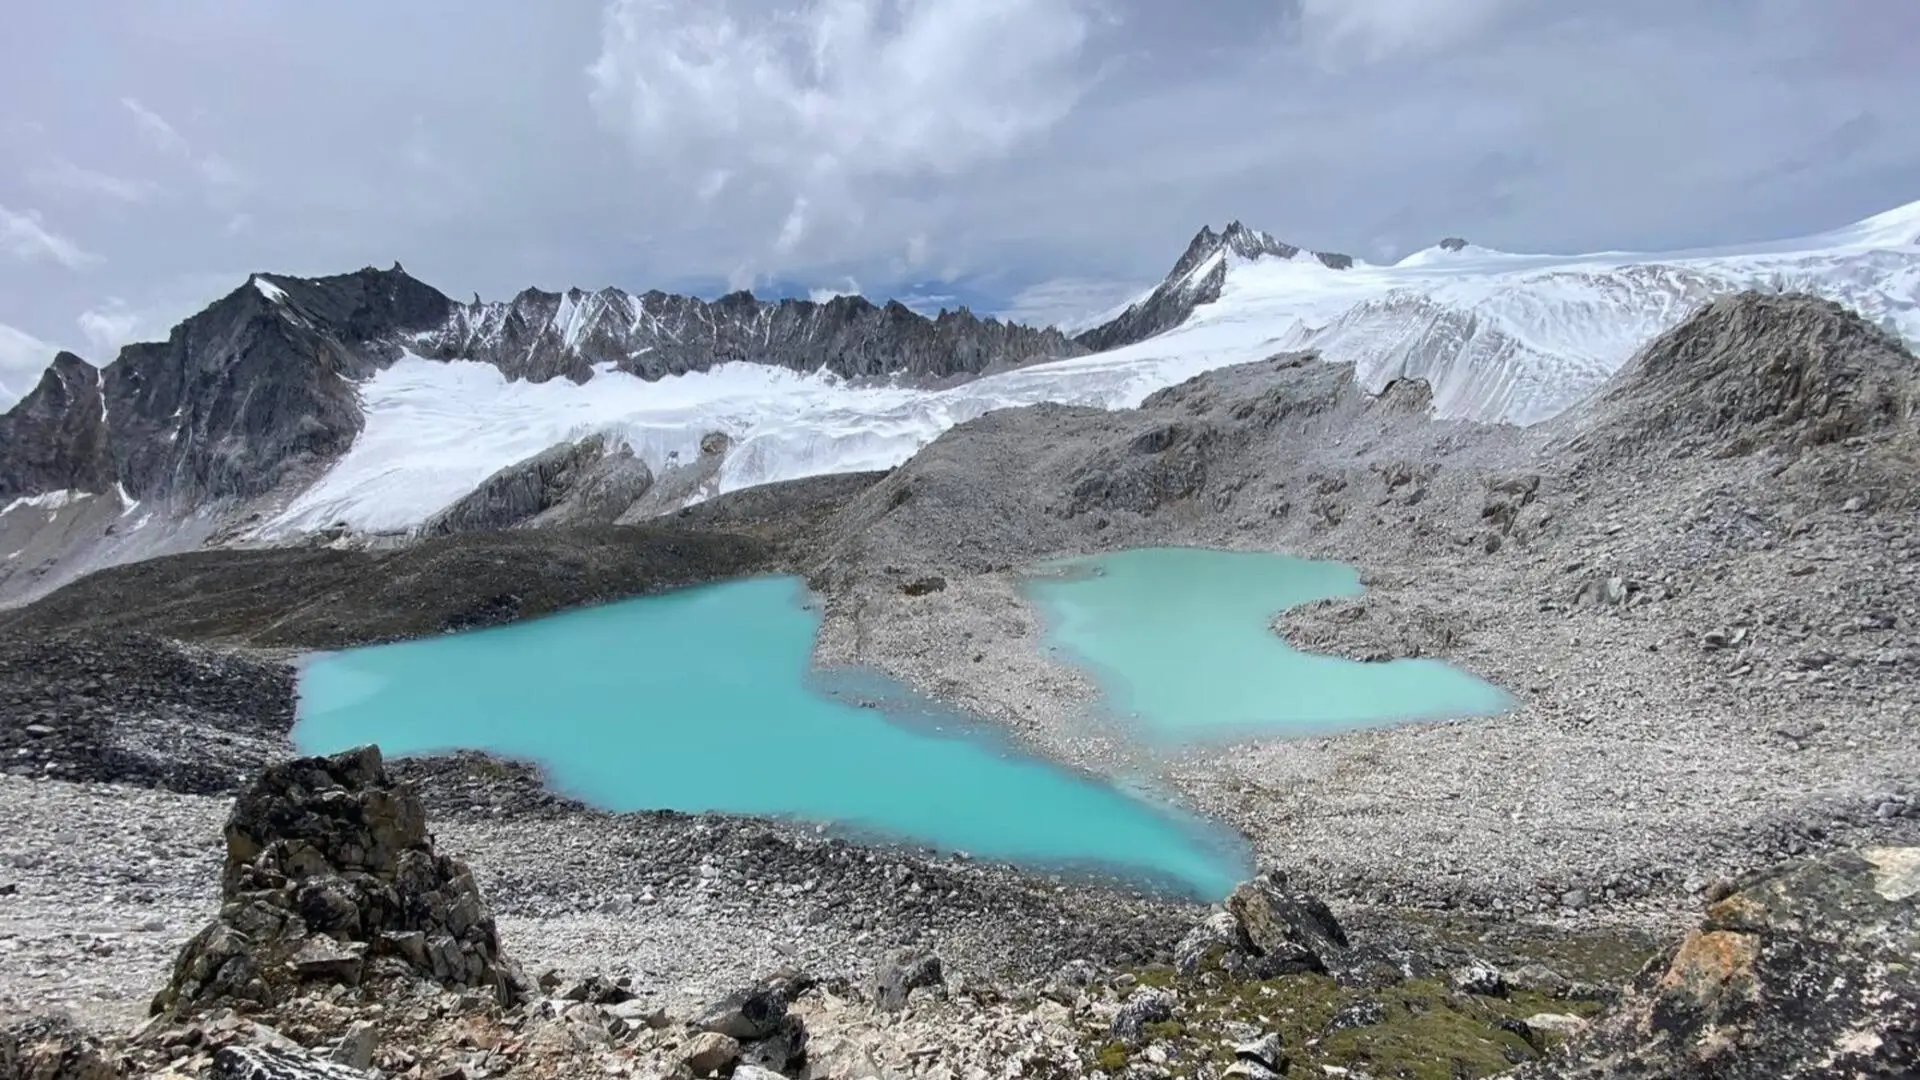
1287 930
744 1014
897 977
1142 1007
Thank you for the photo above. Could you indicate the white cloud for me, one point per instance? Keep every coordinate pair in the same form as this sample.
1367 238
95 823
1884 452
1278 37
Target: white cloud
809 106
160 134
218 171
24 237
215 170
1374 30
1072 304
823 293
795 226
63 177
109 326
22 358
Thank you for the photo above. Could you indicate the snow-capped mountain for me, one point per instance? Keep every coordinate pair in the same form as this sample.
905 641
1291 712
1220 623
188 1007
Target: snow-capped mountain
1197 279
1501 337
371 401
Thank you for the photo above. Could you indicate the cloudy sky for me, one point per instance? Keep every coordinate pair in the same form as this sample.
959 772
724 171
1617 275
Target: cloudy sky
1036 157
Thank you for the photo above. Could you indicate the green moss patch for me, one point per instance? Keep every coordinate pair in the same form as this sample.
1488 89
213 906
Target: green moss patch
1425 1029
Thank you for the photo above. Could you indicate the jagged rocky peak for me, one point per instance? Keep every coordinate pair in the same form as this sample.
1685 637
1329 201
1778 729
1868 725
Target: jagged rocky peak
366 305
253 389
1453 243
540 336
1196 279
55 438
1764 371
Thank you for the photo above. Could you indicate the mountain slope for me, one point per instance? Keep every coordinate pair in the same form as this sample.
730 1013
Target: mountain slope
1758 372
238 397
249 402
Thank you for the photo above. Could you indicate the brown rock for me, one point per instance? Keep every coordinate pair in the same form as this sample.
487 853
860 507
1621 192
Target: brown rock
709 1052
1805 972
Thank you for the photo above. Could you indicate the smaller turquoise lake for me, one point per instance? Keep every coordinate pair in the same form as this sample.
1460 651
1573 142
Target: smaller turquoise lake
704 700
1180 642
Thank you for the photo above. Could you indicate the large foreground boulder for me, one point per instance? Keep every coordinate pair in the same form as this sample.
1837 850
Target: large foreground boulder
1809 971
331 878
1267 928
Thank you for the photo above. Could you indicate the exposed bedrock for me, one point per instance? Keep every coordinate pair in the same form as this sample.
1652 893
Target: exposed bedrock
587 482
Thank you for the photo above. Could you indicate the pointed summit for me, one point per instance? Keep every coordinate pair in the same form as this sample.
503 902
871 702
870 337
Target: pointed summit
58 433
1195 280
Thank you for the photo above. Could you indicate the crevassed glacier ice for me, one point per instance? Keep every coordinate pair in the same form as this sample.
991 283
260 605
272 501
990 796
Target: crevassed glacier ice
1501 337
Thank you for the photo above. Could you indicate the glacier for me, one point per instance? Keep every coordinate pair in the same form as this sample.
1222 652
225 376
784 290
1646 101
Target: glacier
1501 337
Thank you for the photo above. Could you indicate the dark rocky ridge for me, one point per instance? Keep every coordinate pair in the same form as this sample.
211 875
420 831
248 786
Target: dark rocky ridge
1180 292
237 399
257 391
655 334
314 597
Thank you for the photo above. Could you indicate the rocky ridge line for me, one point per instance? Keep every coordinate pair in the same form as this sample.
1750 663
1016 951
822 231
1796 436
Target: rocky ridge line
256 391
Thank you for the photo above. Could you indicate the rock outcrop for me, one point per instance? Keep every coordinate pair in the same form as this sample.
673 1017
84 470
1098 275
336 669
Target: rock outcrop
578 483
331 878
1806 971
1761 371
1267 928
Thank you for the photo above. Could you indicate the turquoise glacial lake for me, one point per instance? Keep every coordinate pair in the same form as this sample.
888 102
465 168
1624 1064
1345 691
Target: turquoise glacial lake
704 699
1180 642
